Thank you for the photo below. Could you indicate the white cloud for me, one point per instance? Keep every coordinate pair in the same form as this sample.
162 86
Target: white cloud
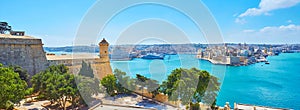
288 28
240 20
265 6
269 34
289 21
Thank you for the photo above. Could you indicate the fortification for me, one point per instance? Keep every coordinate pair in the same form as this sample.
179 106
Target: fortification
24 51
28 52
100 64
103 51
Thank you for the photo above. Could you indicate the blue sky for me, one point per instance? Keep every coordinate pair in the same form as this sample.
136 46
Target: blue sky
250 21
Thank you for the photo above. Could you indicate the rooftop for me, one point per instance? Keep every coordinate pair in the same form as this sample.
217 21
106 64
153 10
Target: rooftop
16 37
103 41
71 56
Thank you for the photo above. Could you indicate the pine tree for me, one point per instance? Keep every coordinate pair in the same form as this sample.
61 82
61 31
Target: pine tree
86 70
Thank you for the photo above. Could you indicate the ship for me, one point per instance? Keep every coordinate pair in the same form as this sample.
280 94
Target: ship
276 53
153 56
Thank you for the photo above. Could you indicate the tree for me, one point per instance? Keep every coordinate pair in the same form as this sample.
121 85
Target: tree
4 27
141 80
60 87
87 87
12 89
86 70
110 83
190 85
168 86
51 85
46 82
151 85
119 82
29 92
22 72
124 82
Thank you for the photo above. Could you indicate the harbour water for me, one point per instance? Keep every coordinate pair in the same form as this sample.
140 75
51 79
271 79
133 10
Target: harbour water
275 84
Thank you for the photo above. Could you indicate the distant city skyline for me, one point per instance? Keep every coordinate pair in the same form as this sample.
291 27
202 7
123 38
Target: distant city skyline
240 21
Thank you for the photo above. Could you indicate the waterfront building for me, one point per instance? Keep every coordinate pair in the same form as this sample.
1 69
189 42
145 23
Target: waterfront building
119 54
230 55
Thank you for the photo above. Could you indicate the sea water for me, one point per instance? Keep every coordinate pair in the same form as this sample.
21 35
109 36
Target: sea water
276 84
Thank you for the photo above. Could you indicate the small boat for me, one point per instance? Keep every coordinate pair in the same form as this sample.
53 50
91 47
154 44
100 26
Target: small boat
267 63
153 56
276 53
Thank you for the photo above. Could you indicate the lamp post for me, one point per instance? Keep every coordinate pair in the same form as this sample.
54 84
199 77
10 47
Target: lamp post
115 92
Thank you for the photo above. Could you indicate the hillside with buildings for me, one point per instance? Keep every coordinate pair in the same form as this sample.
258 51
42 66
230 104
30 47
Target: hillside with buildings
227 54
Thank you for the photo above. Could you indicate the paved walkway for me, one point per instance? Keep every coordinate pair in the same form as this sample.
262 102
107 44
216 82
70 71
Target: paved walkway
120 102
133 100
117 107
31 106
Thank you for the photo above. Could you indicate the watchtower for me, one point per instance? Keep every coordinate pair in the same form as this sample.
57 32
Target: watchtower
103 46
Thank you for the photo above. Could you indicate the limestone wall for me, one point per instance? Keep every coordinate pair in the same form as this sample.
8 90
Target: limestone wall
27 53
100 68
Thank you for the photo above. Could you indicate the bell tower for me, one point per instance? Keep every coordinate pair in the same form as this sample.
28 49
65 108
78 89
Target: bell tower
103 46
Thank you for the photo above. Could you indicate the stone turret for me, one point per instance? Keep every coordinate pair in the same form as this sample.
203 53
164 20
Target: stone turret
100 65
103 52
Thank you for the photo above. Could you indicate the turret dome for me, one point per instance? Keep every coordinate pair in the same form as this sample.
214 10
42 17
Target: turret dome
103 42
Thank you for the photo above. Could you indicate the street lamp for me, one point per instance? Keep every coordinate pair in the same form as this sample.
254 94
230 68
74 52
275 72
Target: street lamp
115 91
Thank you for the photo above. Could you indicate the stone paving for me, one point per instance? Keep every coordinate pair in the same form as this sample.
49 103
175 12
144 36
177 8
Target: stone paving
32 106
134 101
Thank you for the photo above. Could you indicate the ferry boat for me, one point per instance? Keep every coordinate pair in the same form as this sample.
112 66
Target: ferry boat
153 56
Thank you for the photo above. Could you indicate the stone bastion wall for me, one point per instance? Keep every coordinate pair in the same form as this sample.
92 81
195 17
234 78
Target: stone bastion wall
28 52
25 52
